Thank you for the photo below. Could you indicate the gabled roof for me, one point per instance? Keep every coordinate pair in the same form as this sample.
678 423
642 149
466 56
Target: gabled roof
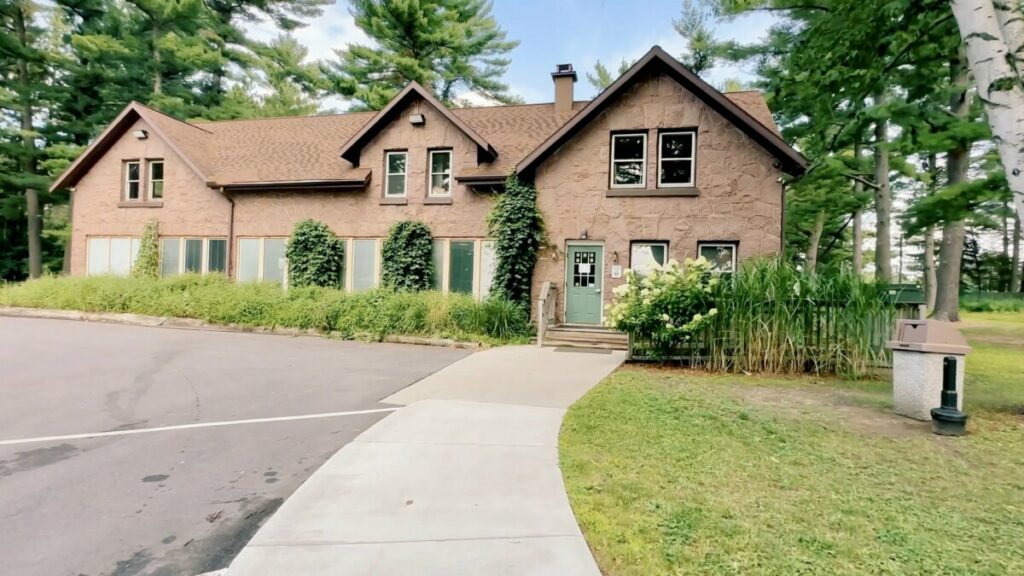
350 151
657 59
179 136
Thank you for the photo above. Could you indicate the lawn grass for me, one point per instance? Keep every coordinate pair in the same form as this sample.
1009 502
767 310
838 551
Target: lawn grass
678 472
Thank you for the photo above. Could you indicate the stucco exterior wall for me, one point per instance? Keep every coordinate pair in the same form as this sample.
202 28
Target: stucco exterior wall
739 200
189 207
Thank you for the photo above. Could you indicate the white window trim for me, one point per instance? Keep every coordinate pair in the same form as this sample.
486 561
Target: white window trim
430 170
204 261
150 180
735 250
128 180
613 161
388 174
259 262
692 159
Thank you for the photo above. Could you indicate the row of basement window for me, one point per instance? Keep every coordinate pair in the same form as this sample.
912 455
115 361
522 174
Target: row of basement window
466 266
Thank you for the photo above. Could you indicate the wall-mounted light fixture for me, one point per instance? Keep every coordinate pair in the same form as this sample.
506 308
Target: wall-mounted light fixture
140 134
615 257
583 235
417 119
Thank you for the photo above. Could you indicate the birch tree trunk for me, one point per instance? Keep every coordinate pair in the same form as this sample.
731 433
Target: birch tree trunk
883 200
993 35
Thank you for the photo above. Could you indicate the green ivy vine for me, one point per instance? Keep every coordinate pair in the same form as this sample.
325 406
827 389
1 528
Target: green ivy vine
147 263
517 227
406 257
316 257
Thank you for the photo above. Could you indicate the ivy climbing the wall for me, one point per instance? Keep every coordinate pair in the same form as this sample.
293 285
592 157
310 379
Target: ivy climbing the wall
406 257
516 225
316 257
147 263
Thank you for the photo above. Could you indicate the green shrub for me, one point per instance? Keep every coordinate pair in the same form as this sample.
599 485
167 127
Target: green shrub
316 257
406 257
369 315
147 263
517 227
992 302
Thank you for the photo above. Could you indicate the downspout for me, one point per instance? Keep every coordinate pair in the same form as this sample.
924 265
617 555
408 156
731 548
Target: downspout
231 233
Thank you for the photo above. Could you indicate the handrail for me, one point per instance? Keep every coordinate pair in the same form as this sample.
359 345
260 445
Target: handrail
545 309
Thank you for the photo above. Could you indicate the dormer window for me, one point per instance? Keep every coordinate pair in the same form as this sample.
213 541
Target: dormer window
440 172
396 164
629 160
156 179
132 180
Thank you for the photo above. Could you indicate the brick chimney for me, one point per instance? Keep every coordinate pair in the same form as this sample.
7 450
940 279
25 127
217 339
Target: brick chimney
564 77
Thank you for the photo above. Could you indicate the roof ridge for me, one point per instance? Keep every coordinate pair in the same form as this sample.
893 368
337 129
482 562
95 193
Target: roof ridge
154 110
269 118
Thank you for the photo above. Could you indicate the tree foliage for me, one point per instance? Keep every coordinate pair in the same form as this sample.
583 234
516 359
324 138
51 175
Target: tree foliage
406 260
445 45
316 257
517 227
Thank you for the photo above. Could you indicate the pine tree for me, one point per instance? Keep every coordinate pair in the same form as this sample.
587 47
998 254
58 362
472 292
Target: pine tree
446 45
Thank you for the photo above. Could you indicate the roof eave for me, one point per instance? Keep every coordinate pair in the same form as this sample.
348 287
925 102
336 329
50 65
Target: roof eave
297 185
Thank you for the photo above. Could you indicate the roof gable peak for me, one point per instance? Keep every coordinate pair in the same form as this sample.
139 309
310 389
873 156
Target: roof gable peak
351 149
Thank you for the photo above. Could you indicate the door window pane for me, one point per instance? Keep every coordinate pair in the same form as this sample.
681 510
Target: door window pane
248 259
460 273
364 267
121 256
98 256
645 255
217 259
169 256
273 260
437 258
193 255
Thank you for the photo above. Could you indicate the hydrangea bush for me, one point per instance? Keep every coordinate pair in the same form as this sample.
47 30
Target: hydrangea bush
669 305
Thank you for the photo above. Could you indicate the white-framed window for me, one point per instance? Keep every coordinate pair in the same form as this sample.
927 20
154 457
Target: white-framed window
676 152
111 255
261 260
133 180
644 256
440 173
365 271
188 255
155 174
721 254
396 165
629 160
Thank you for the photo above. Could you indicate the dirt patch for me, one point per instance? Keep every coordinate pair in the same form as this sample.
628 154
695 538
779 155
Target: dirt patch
834 405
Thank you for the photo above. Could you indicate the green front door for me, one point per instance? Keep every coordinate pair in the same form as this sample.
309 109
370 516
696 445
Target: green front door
583 284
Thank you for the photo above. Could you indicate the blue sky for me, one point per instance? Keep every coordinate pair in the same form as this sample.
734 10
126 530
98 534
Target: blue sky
579 32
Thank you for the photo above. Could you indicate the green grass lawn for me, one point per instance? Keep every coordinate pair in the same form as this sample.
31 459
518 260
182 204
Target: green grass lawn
679 472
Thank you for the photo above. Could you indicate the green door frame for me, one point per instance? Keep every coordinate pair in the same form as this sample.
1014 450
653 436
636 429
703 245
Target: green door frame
587 301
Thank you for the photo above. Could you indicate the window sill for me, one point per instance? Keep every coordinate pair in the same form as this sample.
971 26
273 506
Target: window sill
140 204
437 200
688 191
394 201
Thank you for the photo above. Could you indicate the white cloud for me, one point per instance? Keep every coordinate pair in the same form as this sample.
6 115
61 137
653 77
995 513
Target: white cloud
333 29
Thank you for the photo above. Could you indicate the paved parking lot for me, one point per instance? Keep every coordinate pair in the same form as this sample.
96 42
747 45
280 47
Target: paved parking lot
202 436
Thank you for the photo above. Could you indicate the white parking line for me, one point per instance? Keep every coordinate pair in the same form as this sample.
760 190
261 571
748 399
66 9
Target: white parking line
192 426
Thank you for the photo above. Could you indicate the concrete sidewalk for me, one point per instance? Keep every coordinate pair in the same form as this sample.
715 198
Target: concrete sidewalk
465 480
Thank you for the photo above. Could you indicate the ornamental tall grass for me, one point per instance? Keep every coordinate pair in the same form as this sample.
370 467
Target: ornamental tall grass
771 317
366 315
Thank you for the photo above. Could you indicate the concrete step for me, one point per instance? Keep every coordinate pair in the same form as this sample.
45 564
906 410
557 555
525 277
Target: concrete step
586 336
